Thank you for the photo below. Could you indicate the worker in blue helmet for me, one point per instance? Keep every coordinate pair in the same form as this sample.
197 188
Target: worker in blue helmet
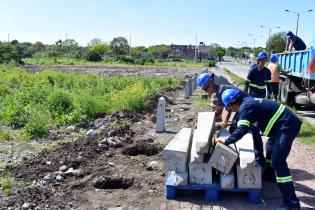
294 43
207 83
258 78
277 122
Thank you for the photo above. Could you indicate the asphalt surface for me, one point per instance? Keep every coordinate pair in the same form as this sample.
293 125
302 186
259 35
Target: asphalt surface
242 70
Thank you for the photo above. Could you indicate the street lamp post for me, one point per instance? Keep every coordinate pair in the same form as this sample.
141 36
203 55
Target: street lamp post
298 17
270 28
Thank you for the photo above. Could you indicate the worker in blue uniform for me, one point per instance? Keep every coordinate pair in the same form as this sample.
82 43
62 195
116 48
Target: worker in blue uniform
258 78
294 42
208 84
275 121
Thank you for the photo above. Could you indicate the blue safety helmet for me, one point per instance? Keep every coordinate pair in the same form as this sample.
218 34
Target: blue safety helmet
290 34
229 96
203 78
273 58
262 55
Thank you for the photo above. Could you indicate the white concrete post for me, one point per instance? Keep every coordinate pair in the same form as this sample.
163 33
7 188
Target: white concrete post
193 84
186 89
160 116
190 87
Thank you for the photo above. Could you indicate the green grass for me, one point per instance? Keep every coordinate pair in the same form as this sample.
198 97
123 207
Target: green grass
236 79
201 103
5 135
71 61
307 133
6 186
35 101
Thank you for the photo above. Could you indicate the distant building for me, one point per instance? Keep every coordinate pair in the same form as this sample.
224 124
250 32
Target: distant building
188 51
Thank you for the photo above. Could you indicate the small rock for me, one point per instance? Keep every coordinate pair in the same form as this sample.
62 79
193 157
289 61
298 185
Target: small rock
102 127
111 164
77 172
79 159
63 168
70 128
154 165
49 177
56 173
91 133
60 178
25 158
48 163
103 146
69 172
103 141
26 206
118 143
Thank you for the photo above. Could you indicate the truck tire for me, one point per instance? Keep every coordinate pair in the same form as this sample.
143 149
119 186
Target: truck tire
287 96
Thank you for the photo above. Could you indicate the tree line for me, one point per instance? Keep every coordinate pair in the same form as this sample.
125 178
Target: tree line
117 49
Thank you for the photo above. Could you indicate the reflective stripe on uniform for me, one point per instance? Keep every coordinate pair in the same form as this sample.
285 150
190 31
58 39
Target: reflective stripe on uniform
243 122
268 161
284 179
267 80
257 86
274 119
248 80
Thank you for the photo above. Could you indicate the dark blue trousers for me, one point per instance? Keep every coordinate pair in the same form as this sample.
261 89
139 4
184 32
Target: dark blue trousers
278 148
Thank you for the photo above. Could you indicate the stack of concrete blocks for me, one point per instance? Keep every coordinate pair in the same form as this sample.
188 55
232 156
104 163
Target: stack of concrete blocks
226 180
248 172
223 158
200 172
176 155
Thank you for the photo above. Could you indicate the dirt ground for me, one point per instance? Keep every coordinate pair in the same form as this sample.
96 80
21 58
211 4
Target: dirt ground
119 177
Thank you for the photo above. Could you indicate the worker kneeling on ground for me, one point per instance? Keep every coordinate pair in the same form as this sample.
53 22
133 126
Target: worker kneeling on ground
208 84
258 78
278 123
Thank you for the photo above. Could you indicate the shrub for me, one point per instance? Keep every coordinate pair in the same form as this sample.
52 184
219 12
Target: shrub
59 102
5 135
93 56
211 64
6 187
14 114
37 125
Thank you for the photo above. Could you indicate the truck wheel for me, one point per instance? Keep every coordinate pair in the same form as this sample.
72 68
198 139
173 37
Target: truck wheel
287 96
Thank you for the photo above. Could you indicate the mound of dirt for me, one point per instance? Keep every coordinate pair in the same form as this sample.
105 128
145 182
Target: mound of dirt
153 99
142 147
73 154
132 115
104 182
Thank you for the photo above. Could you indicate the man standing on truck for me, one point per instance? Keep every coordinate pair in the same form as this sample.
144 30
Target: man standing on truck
275 69
294 42
208 84
258 78
277 122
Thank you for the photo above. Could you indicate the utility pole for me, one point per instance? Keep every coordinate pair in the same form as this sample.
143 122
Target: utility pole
8 38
